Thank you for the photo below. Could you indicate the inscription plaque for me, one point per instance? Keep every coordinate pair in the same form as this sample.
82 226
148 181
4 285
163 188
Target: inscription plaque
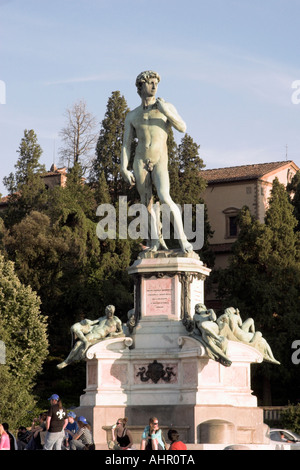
197 295
160 296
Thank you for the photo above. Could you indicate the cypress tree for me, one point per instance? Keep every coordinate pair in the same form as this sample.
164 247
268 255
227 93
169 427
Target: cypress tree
26 188
187 185
191 183
174 169
108 149
294 191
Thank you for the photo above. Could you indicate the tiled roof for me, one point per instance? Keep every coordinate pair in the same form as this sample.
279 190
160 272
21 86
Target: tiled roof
55 171
243 172
4 200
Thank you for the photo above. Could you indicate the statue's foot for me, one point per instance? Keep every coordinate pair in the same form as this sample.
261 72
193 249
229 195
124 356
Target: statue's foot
154 248
186 247
156 245
62 365
163 245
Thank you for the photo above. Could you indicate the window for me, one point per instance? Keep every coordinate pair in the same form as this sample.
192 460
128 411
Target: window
233 229
231 226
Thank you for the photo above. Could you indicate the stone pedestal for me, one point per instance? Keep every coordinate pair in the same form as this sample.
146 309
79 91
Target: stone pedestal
179 384
168 286
157 369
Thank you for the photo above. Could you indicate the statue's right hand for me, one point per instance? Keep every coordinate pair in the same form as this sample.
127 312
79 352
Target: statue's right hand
128 177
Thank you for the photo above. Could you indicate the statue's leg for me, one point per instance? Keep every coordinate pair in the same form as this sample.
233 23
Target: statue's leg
75 355
144 187
248 325
161 181
76 330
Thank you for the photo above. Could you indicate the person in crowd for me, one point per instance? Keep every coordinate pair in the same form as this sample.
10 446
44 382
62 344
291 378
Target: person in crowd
12 439
71 429
176 444
83 439
56 423
38 431
121 436
23 437
4 439
152 438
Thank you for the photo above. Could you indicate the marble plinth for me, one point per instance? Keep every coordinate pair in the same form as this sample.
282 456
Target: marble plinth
159 369
168 286
178 382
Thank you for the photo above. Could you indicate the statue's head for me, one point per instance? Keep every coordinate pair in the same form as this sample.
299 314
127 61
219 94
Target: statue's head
110 310
200 308
231 311
145 77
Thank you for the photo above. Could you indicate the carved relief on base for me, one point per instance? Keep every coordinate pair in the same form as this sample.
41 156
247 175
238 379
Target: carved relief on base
156 372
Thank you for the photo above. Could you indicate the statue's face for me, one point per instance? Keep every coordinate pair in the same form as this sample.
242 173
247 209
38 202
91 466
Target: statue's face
200 308
109 312
149 88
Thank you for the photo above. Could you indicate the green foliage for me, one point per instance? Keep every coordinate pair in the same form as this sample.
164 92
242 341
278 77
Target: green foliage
24 332
174 167
37 250
294 191
290 418
191 183
28 165
26 188
109 145
187 185
263 280
281 221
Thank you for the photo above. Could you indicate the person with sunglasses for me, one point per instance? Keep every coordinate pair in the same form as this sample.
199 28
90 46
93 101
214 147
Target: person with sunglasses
121 436
152 438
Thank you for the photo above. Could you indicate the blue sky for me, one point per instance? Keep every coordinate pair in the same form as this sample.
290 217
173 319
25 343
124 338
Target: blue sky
227 66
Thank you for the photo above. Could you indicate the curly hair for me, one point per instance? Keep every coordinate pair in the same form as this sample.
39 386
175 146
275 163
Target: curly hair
145 77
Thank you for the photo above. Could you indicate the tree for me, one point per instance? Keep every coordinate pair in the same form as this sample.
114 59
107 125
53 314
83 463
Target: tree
38 251
263 281
294 192
109 145
79 136
26 188
282 222
28 165
24 332
192 184
174 166
71 212
187 185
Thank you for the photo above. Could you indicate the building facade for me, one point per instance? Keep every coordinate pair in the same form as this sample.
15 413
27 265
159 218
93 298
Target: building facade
229 189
